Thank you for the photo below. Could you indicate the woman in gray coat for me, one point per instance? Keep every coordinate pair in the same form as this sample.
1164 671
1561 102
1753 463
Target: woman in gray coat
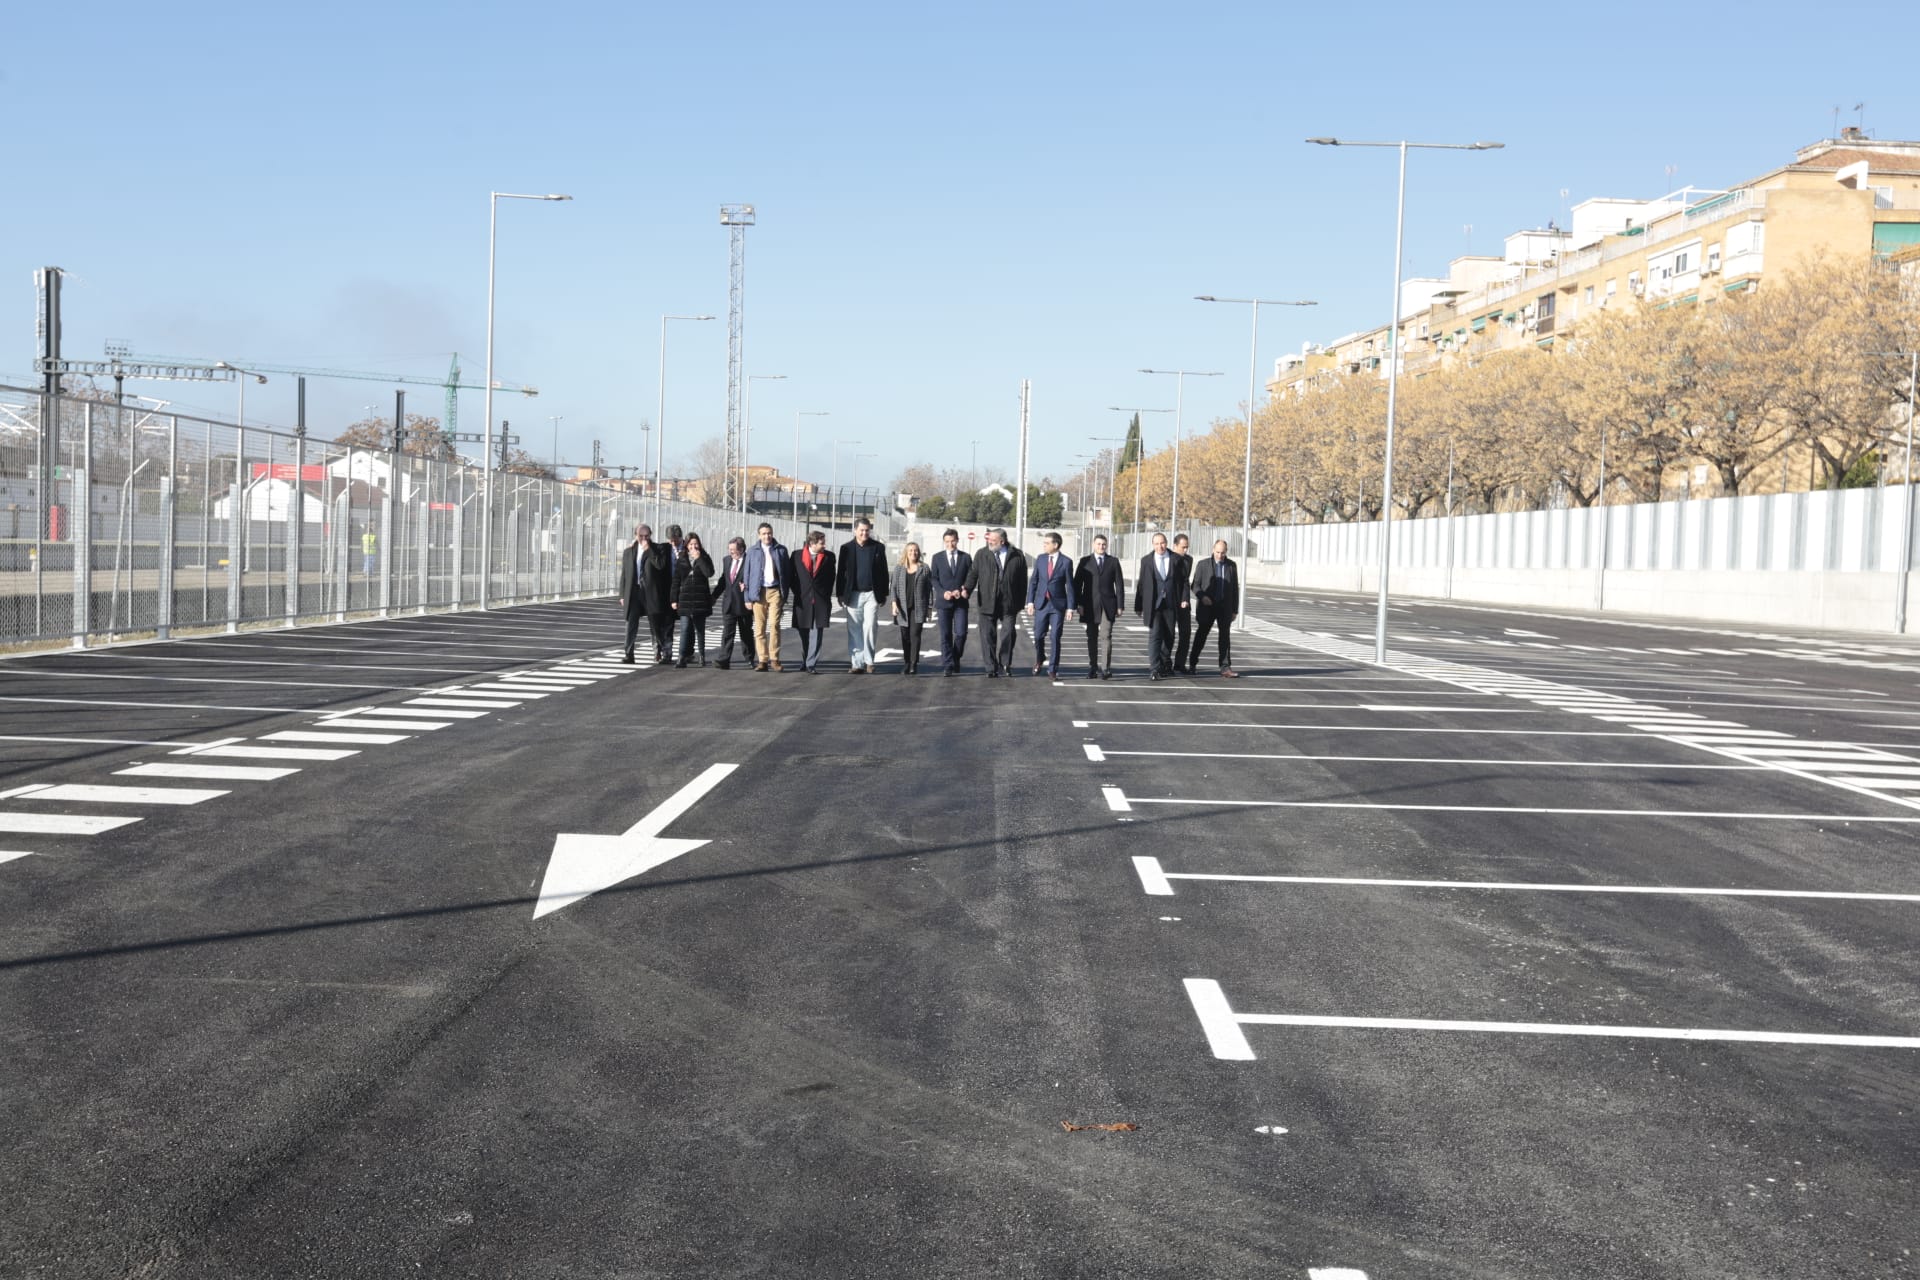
912 600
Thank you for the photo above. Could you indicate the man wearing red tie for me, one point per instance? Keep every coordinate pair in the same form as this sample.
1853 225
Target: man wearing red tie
736 615
1050 601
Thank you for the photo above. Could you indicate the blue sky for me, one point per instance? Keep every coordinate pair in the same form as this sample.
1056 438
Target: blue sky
949 201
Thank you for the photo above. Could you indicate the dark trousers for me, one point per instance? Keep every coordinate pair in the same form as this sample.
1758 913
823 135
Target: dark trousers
1184 651
659 625
1049 626
1100 630
812 640
910 643
1160 629
693 635
950 617
1207 620
731 625
998 632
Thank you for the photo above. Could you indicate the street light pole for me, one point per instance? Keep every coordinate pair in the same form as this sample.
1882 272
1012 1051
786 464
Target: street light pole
660 417
1253 383
746 430
1180 377
486 476
1393 358
797 415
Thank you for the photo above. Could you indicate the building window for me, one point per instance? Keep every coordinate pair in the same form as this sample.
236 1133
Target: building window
1713 258
1633 282
1611 290
1681 261
1545 306
1589 295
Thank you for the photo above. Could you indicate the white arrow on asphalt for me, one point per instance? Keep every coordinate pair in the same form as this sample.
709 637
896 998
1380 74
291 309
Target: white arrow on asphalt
584 865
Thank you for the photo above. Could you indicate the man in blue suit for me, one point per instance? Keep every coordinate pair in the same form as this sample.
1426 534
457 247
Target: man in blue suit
769 585
1050 601
950 568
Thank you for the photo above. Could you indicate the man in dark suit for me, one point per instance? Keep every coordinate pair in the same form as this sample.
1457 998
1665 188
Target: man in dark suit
950 568
1050 601
1216 587
646 588
998 588
1099 586
736 615
1159 598
1183 623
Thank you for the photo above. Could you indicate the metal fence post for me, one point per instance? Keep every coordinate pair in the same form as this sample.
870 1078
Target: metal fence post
342 530
459 541
166 548
82 537
296 521
425 526
236 521
386 532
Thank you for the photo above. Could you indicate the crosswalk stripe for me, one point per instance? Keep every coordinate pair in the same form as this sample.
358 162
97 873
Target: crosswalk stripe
60 824
220 772
83 793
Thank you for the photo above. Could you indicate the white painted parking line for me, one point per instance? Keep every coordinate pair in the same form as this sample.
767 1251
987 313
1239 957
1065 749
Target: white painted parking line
213 772
366 722
1335 1273
1156 880
277 753
535 686
493 689
1221 1026
177 706
83 794
1654 766
1321 706
364 739
1361 728
8 855
60 824
435 713
91 742
1118 800
495 703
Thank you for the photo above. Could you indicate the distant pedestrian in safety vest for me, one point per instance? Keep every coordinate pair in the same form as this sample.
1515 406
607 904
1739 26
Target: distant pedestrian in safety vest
369 548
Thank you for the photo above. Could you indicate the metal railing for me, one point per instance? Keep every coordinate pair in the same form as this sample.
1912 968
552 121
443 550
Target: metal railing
120 522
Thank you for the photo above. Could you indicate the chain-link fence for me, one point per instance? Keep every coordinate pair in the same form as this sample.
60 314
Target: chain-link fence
123 522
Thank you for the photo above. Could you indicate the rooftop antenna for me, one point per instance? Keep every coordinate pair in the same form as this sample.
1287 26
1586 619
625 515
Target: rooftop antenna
1670 171
1861 109
1835 135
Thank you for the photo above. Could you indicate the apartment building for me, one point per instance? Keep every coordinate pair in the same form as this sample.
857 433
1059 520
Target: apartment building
1847 196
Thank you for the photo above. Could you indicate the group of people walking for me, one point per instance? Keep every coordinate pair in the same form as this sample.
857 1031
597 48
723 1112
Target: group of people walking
674 581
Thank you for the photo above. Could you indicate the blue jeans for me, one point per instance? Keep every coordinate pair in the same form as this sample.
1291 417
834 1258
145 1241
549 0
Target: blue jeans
862 616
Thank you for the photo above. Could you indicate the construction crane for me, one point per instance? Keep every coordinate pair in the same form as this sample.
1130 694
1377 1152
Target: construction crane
451 382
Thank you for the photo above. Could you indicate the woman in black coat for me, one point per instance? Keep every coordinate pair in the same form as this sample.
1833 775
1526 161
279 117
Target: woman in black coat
912 600
693 598
813 597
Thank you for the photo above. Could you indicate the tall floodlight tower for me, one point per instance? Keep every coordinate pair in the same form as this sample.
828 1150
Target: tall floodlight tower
736 218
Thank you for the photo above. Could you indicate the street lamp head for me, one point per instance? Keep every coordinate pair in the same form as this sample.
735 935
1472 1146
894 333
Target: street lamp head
1487 146
1204 297
1325 142
556 197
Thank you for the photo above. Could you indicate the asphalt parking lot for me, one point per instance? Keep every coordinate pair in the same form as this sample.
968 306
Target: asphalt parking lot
1554 947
